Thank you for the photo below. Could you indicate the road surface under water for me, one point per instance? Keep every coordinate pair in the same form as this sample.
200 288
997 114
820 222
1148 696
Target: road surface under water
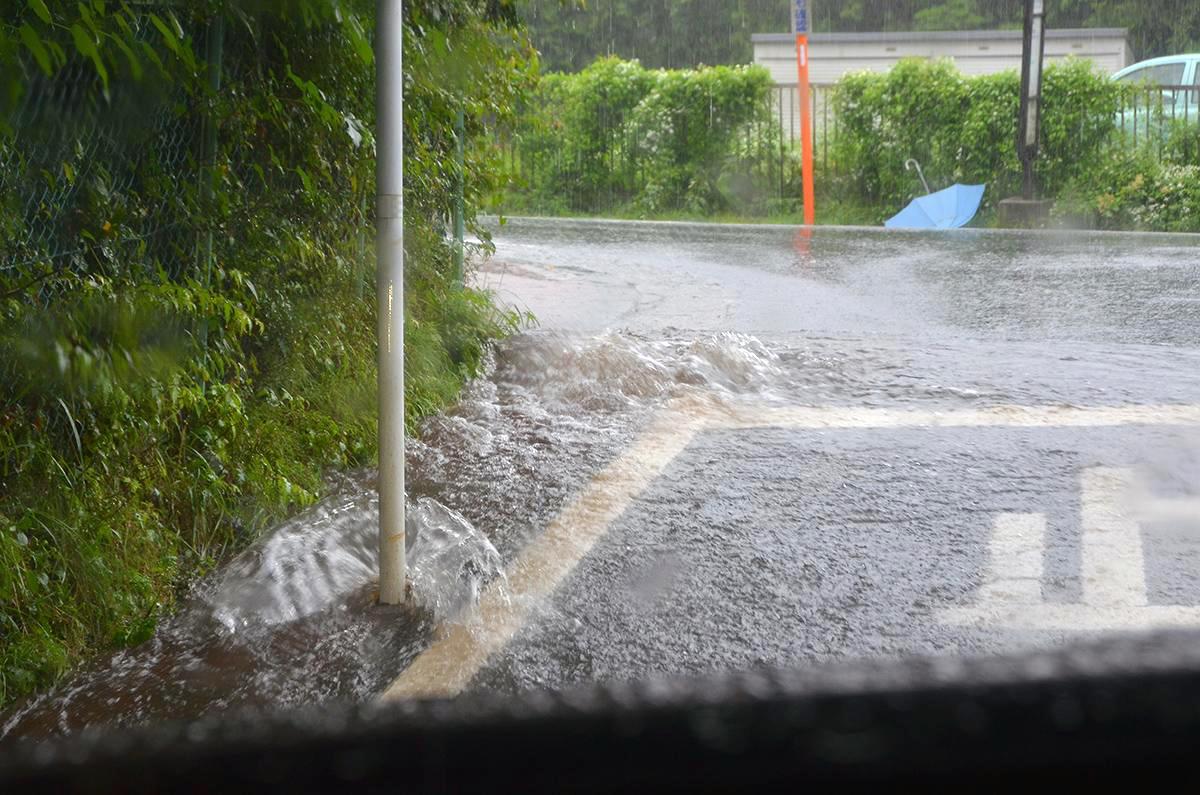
736 446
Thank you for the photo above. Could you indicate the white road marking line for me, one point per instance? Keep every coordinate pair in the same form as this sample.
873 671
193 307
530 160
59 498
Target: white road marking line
1113 506
1017 549
449 664
834 417
1176 509
1113 568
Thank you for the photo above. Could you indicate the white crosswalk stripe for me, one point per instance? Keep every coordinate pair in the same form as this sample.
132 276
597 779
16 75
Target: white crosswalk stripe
1113 509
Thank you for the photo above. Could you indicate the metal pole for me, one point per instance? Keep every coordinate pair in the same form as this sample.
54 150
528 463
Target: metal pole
460 132
389 178
1031 91
806 110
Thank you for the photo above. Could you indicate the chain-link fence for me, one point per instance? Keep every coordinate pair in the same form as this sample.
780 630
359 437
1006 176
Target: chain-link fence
616 168
98 172
619 165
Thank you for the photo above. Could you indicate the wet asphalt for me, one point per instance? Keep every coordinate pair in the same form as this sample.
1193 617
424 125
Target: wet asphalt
785 545
767 542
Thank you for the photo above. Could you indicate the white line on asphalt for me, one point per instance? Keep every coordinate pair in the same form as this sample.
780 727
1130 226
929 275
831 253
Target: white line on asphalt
448 665
834 417
1113 568
1018 546
1113 507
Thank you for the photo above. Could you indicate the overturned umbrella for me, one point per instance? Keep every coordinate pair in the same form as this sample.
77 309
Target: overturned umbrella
946 209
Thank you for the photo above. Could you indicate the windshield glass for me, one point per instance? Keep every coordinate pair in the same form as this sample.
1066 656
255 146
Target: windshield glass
357 352
1164 75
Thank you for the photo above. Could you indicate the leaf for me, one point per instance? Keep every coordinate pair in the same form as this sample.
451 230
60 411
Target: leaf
168 35
153 56
359 40
135 65
306 179
60 55
39 8
83 42
33 43
85 14
87 47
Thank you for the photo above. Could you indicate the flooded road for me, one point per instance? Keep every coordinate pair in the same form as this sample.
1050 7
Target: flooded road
728 447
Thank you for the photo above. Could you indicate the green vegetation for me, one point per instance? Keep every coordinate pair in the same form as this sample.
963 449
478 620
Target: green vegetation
1140 187
636 141
158 407
963 129
621 141
834 213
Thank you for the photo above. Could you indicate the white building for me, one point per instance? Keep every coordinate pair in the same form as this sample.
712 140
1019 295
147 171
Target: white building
976 52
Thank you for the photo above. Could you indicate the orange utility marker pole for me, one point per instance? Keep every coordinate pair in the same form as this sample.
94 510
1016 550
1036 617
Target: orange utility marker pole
806 130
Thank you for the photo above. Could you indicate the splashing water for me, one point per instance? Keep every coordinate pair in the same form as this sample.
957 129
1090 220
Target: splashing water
615 371
330 551
291 620
450 561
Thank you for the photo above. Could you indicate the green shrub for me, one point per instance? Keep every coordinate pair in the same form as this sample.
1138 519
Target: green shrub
1139 187
964 129
156 410
617 135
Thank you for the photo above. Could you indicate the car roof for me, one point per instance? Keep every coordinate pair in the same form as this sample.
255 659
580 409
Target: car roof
1166 59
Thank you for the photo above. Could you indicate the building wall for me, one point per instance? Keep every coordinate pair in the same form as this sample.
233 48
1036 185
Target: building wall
973 52
833 55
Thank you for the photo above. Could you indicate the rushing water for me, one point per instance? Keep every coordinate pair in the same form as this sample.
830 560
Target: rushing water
292 620
664 313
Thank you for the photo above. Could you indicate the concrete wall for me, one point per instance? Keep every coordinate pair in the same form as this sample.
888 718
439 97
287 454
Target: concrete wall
973 52
834 55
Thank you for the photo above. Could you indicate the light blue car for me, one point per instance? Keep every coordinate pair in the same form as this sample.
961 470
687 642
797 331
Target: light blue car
1173 86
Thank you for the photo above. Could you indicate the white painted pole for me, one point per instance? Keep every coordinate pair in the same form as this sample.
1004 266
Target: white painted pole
389 176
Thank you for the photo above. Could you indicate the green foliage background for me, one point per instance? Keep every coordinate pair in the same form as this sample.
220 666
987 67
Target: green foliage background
1140 187
964 129
619 137
157 411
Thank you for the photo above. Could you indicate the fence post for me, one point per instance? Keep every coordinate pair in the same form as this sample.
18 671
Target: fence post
460 132
389 223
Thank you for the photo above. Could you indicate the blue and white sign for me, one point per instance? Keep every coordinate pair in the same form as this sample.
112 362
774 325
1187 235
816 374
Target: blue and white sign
802 16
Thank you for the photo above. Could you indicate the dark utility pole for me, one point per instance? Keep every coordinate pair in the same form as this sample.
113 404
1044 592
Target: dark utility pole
1031 91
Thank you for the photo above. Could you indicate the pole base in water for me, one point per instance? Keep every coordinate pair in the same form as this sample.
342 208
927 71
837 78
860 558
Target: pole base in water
403 602
1019 213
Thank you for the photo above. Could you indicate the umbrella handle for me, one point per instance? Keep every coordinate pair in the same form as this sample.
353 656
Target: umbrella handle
910 164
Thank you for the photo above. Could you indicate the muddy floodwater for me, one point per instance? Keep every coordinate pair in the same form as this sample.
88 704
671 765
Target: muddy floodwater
875 421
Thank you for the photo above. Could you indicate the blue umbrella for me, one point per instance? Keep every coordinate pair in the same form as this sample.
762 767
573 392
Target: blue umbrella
947 209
